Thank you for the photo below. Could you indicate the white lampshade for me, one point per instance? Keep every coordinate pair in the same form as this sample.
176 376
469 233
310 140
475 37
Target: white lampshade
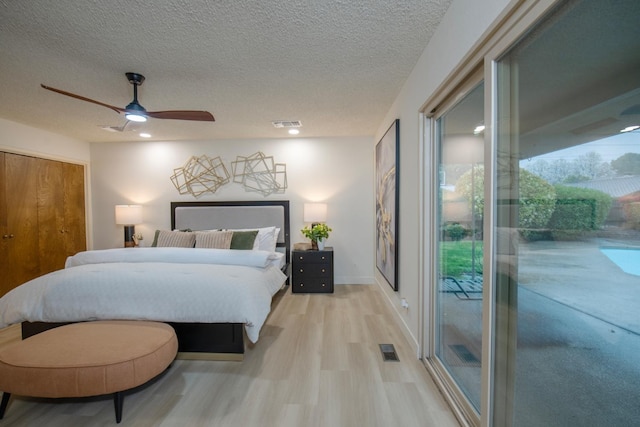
128 214
315 212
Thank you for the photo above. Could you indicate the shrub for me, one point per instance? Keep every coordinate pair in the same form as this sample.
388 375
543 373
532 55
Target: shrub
536 203
632 214
455 231
631 208
578 210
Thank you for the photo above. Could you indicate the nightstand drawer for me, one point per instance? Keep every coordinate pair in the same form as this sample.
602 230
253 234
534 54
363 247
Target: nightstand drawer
313 256
312 270
312 286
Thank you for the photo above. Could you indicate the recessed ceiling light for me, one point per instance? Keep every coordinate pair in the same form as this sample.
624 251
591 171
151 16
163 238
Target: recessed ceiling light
145 135
293 131
630 128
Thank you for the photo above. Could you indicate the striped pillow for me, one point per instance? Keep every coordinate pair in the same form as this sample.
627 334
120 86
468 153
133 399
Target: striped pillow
214 239
176 239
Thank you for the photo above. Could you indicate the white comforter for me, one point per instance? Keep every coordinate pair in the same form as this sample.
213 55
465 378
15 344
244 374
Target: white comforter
162 287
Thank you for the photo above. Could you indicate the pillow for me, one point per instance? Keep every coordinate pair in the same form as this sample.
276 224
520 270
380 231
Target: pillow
266 238
173 239
276 233
243 239
214 239
157 233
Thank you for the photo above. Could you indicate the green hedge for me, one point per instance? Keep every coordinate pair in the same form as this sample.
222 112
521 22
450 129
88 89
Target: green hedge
578 210
536 203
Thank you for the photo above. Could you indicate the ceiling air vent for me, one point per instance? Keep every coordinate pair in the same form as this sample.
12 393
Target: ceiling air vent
286 124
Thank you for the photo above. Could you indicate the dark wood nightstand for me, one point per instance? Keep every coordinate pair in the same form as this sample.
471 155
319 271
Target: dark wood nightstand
312 271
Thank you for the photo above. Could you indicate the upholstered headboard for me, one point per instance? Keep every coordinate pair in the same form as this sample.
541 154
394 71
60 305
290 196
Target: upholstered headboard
234 214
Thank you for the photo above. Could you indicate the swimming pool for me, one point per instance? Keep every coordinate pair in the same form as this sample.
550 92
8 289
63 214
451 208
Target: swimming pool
628 259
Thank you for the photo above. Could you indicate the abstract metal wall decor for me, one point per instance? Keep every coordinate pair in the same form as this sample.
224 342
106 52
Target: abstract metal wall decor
200 175
387 203
260 173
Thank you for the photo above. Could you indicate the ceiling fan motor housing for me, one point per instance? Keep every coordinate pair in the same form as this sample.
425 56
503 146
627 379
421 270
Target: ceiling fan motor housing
135 78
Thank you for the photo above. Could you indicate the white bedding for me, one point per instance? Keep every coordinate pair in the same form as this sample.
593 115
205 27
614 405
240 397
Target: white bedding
168 289
254 258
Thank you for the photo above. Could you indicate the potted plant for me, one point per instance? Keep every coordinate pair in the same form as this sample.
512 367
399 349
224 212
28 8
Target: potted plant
316 233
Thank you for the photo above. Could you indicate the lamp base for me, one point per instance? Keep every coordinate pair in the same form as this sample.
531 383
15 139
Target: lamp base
129 231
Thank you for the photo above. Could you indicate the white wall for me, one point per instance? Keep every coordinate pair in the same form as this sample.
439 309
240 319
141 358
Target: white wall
462 26
22 139
337 171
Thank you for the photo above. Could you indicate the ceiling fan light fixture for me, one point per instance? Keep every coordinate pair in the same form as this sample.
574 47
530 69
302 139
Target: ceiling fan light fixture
135 112
135 117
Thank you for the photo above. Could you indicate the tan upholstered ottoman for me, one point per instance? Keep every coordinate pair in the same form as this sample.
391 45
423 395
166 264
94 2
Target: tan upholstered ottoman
87 359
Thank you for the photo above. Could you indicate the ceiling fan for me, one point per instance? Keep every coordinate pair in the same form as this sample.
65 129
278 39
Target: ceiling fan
136 112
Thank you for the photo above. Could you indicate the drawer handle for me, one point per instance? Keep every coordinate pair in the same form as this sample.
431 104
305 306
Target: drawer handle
323 257
8 236
301 270
323 285
323 270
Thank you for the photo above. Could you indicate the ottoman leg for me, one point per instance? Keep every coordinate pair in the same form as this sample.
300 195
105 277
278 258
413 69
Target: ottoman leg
5 402
118 400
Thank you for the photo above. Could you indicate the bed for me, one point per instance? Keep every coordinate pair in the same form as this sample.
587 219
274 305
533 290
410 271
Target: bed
156 271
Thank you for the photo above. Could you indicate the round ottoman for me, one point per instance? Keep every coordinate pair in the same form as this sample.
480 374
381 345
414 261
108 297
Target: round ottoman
87 359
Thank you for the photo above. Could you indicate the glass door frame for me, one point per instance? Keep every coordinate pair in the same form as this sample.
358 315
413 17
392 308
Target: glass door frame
465 408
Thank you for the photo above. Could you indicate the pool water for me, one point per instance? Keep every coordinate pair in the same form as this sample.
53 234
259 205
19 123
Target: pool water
625 258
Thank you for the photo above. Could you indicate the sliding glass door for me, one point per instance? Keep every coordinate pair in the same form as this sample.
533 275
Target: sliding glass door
567 219
533 277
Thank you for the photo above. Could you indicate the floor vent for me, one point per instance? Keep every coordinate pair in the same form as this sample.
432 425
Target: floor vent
389 353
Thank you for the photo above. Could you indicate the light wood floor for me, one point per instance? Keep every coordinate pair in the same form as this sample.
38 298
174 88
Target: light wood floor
317 364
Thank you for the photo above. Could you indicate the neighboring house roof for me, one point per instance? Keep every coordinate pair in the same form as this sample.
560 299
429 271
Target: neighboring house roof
615 187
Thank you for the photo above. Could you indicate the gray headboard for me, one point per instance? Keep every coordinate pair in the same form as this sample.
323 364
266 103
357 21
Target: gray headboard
234 214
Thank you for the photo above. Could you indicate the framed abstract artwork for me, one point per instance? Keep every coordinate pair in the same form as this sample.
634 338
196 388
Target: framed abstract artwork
387 204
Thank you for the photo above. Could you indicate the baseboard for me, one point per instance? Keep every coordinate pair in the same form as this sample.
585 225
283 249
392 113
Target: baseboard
402 324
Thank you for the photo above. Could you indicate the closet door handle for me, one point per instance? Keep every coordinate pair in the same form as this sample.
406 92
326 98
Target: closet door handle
8 236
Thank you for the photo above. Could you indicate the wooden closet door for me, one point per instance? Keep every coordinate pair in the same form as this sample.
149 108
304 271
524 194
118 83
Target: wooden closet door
51 239
20 237
4 233
75 228
61 213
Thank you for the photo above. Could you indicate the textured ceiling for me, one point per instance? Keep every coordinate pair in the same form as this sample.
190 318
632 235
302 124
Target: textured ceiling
335 65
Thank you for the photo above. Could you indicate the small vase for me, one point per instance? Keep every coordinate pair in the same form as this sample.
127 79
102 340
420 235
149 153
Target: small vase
321 244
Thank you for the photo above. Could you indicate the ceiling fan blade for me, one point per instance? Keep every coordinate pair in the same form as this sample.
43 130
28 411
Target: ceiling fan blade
195 115
82 98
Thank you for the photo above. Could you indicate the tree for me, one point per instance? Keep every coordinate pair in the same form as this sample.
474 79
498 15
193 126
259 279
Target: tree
591 165
627 164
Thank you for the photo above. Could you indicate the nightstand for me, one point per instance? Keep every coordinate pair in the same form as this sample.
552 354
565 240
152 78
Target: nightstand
312 271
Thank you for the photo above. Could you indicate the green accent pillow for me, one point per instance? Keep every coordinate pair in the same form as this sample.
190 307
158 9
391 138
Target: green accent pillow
243 239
